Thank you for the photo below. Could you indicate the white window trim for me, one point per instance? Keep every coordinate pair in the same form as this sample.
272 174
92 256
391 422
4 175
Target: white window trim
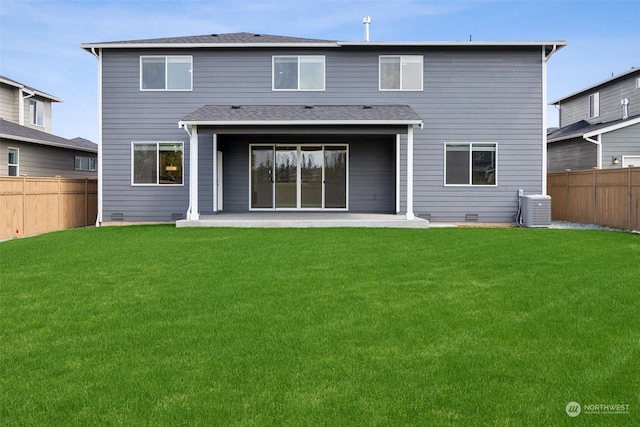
157 184
33 114
166 72
17 165
401 88
596 105
470 144
637 82
273 73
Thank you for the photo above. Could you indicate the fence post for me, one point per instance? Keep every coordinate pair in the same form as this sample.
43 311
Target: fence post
595 198
566 195
24 205
629 195
86 201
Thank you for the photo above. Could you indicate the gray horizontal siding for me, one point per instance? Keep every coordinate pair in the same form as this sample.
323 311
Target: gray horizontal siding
470 95
622 142
574 154
577 108
44 161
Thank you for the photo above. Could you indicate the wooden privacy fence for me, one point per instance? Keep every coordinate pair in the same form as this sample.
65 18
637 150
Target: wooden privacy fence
38 205
607 197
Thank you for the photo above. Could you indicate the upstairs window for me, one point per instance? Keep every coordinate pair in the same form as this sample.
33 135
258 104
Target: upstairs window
594 105
298 73
166 72
637 82
85 163
156 163
470 164
36 112
401 72
12 161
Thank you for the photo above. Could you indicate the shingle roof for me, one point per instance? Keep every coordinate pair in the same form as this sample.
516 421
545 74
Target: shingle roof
307 114
234 38
14 131
576 130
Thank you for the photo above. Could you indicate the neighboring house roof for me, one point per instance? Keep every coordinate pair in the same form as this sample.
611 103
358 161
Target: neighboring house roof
585 129
303 115
30 89
13 131
592 87
267 40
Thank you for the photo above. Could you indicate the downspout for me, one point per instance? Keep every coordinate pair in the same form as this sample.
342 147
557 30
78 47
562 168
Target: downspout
545 58
598 143
98 55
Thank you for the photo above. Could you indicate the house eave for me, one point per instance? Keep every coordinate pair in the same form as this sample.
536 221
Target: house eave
182 123
612 128
594 86
9 137
89 46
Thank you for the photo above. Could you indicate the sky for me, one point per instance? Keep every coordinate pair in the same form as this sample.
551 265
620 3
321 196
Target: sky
39 39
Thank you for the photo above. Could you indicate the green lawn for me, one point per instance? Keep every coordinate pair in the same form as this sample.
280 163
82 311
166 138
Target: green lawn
153 325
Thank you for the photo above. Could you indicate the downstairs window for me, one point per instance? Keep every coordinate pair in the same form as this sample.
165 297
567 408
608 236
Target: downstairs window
157 163
470 163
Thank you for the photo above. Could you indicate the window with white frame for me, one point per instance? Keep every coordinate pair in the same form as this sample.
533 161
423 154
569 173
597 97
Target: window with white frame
85 163
36 112
470 163
13 162
157 163
594 105
637 82
166 72
298 73
401 72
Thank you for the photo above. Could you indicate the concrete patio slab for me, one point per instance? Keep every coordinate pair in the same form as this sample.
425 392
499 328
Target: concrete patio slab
304 220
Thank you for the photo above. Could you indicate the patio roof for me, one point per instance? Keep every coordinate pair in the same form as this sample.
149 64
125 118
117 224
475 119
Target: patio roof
261 115
585 129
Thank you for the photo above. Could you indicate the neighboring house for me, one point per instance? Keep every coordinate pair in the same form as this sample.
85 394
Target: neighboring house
27 146
599 126
448 131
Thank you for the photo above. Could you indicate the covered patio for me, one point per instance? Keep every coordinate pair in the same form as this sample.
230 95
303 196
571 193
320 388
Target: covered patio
304 220
300 159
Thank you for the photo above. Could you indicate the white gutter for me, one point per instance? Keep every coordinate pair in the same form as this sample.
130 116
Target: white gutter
183 123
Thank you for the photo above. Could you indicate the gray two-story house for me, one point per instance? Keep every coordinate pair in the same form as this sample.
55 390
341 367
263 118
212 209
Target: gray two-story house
599 126
242 122
27 145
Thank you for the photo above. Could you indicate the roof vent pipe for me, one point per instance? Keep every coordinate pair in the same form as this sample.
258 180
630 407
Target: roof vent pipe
366 21
625 108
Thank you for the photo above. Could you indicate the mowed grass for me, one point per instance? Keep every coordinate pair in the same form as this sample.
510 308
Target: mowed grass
153 325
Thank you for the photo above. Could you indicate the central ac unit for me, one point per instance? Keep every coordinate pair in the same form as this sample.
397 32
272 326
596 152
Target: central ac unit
536 211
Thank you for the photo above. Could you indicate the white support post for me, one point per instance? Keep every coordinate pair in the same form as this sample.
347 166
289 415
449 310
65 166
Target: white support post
215 172
397 174
410 215
193 214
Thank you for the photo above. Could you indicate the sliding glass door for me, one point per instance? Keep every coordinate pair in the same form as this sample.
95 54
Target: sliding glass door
298 177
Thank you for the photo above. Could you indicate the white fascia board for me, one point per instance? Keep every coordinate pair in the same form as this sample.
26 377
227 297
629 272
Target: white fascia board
29 90
611 128
181 123
559 43
89 46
